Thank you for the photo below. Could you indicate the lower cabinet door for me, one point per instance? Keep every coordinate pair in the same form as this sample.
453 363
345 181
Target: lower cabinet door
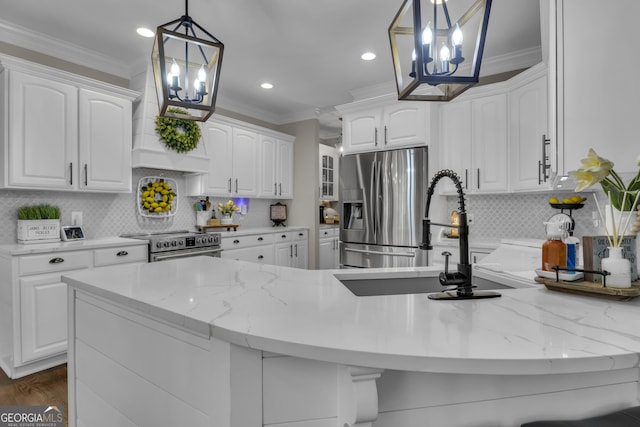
43 316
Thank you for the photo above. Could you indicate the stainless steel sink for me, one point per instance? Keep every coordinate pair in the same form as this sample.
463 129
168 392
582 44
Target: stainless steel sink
371 286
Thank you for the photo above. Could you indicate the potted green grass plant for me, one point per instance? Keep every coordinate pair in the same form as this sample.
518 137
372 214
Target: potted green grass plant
38 224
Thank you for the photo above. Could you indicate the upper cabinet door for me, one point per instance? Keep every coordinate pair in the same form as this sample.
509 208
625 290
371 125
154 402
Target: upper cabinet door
269 152
405 124
105 142
329 177
362 131
285 169
489 143
219 143
43 132
595 111
528 127
246 153
455 140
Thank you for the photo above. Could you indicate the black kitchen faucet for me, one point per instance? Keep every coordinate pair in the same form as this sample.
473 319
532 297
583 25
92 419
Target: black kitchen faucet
462 278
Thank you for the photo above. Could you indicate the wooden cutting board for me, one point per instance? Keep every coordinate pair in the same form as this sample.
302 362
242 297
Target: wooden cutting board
591 288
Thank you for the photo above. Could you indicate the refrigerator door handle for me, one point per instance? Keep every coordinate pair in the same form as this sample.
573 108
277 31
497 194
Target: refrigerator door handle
364 251
377 202
373 200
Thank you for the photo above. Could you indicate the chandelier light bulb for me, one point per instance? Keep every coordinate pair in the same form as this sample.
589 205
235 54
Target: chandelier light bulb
175 69
202 75
444 53
427 34
456 38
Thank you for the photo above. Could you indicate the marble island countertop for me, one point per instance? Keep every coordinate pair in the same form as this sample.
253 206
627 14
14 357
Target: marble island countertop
310 314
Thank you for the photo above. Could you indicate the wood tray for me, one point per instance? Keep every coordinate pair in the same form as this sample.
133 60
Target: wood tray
204 228
591 289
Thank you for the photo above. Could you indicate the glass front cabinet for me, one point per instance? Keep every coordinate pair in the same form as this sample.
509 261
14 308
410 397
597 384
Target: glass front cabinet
328 173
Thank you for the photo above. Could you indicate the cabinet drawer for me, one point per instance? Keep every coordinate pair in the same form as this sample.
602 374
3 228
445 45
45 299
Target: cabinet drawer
261 254
52 262
329 232
235 242
290 236
121 255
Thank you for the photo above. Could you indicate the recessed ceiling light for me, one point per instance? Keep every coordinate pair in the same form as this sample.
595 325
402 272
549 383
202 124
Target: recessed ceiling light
368 56
145 32
266 86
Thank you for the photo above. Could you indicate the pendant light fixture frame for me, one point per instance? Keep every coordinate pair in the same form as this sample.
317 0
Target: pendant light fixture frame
420 84
194 51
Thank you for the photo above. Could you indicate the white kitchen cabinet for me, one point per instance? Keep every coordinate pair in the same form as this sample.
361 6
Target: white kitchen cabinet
594 110
530 144
291 249
371 126
329 248
474 143
329 172
63 134
34 304
277 167
244 161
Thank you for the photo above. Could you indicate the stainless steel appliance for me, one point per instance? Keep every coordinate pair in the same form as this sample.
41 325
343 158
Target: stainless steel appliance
179 244
382 204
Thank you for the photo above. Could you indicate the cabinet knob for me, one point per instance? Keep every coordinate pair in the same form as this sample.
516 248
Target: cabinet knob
56 260
122 253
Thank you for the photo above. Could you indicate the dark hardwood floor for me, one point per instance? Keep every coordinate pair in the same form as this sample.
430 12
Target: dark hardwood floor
43 388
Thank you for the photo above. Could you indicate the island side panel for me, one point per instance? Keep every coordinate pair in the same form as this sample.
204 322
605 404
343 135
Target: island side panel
461 400
134 370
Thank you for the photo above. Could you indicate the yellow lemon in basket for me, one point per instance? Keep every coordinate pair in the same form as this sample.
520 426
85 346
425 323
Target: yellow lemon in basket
554 200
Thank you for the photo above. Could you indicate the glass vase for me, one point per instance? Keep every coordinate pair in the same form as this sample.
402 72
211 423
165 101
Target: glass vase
618 267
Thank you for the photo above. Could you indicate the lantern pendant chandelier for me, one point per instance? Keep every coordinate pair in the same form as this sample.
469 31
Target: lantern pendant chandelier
428 60
186 69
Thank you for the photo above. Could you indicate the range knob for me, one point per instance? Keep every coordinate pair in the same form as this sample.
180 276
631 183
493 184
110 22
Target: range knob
165 244
158 244
181 243
210 239
174 243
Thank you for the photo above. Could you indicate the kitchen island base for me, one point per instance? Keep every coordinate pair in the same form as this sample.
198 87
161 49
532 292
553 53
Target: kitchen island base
130 368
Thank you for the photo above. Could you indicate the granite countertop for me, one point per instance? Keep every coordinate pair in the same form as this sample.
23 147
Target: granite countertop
310 314
37 248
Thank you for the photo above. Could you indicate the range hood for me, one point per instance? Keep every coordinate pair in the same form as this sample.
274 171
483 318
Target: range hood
148 150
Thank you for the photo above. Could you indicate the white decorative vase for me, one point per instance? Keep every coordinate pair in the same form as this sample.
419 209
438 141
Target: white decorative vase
620 221
619 267
226 220
202 217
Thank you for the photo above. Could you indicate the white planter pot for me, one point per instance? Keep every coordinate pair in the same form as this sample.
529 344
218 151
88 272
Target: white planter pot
38 231
618 267
226 220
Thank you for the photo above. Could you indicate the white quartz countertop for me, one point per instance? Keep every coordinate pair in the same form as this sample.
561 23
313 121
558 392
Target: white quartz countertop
37 248
310 314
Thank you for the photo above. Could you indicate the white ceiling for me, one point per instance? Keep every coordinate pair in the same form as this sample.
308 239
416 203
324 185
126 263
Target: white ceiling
309 49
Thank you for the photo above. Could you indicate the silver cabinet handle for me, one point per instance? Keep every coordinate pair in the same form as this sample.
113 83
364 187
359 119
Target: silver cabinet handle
236 185
362 251
284 236
86 175
545 158
375 138
122 253
275 188
478 182
71 173
280 186
56 260
385 135
260 256
466 179
260 239
291 251
229 185
296 250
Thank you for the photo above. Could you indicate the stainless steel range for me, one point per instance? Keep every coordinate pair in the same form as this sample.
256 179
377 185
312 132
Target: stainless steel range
179 244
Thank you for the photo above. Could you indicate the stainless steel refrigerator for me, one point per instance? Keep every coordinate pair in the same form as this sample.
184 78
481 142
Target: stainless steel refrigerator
382 203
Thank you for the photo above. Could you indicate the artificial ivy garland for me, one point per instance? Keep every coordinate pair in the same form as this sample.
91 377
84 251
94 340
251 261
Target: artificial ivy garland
178 134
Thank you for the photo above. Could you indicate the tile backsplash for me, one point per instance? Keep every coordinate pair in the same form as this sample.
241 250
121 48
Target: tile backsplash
107 215
500 216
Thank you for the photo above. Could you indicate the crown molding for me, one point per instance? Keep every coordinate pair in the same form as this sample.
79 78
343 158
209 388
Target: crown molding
47 45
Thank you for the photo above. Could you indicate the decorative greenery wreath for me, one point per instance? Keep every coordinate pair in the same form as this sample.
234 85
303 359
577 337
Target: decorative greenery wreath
157 196
180 135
